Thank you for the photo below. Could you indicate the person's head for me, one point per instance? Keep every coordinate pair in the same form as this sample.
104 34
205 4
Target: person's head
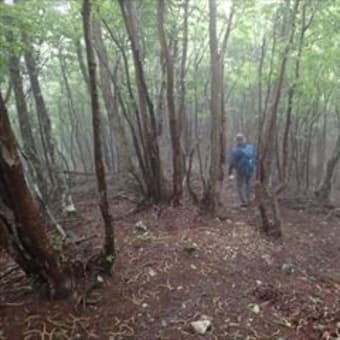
240 139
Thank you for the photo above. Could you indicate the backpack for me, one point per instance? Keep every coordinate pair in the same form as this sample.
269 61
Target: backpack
247 162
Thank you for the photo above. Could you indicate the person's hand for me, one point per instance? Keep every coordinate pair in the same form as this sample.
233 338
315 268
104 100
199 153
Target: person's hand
231 177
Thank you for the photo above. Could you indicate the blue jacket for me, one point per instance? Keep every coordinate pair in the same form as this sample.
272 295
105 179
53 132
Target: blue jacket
243 160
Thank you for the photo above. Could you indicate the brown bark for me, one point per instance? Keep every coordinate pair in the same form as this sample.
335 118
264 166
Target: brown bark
271 128
211 196
25 126
268 144
111 101
174 115
136 131
223 126
324 191
50 149
109 247
153 176
182 95
122 50
74 119
291 95
43 117
321 149
22 227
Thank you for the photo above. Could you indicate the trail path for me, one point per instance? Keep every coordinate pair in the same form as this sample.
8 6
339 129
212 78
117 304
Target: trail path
185 266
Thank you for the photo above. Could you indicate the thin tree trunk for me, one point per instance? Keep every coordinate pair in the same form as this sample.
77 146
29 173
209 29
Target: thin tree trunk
291 94
321 150
74 134
266 197
29 145
153 167
174 115
323 193
82 65
109 246
223 127
59 182
43 117
211 198
184 116
110 100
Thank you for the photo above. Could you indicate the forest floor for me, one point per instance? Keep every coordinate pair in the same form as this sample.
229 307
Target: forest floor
177 265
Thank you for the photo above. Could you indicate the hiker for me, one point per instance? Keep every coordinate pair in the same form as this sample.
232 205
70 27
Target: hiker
243 160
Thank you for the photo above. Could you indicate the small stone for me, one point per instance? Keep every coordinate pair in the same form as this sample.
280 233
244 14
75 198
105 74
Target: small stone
288 268
254 308
191 247
164 323
145 305
192 266
152 273
268 259
201 326
70 208
258 282
100 279
140 226
146 236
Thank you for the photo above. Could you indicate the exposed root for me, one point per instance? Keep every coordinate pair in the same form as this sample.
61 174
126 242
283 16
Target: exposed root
50 329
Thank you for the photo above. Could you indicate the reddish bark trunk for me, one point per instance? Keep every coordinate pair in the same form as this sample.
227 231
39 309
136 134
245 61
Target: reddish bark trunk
21 223
109 248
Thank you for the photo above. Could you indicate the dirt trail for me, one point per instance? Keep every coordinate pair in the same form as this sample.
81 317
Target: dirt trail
185 266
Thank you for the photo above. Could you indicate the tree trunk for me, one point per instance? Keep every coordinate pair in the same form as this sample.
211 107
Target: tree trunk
153 173
22 226
291 95
81 62
74 128
183 115
43 117
211 196
60 186
109 246
321 150
265 195
25 127
111 102
223 126
324 191
174 115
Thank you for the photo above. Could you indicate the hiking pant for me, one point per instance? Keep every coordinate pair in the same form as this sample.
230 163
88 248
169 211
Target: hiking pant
243 188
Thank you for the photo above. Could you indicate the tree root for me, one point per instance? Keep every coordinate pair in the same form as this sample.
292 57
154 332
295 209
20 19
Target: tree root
51 329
